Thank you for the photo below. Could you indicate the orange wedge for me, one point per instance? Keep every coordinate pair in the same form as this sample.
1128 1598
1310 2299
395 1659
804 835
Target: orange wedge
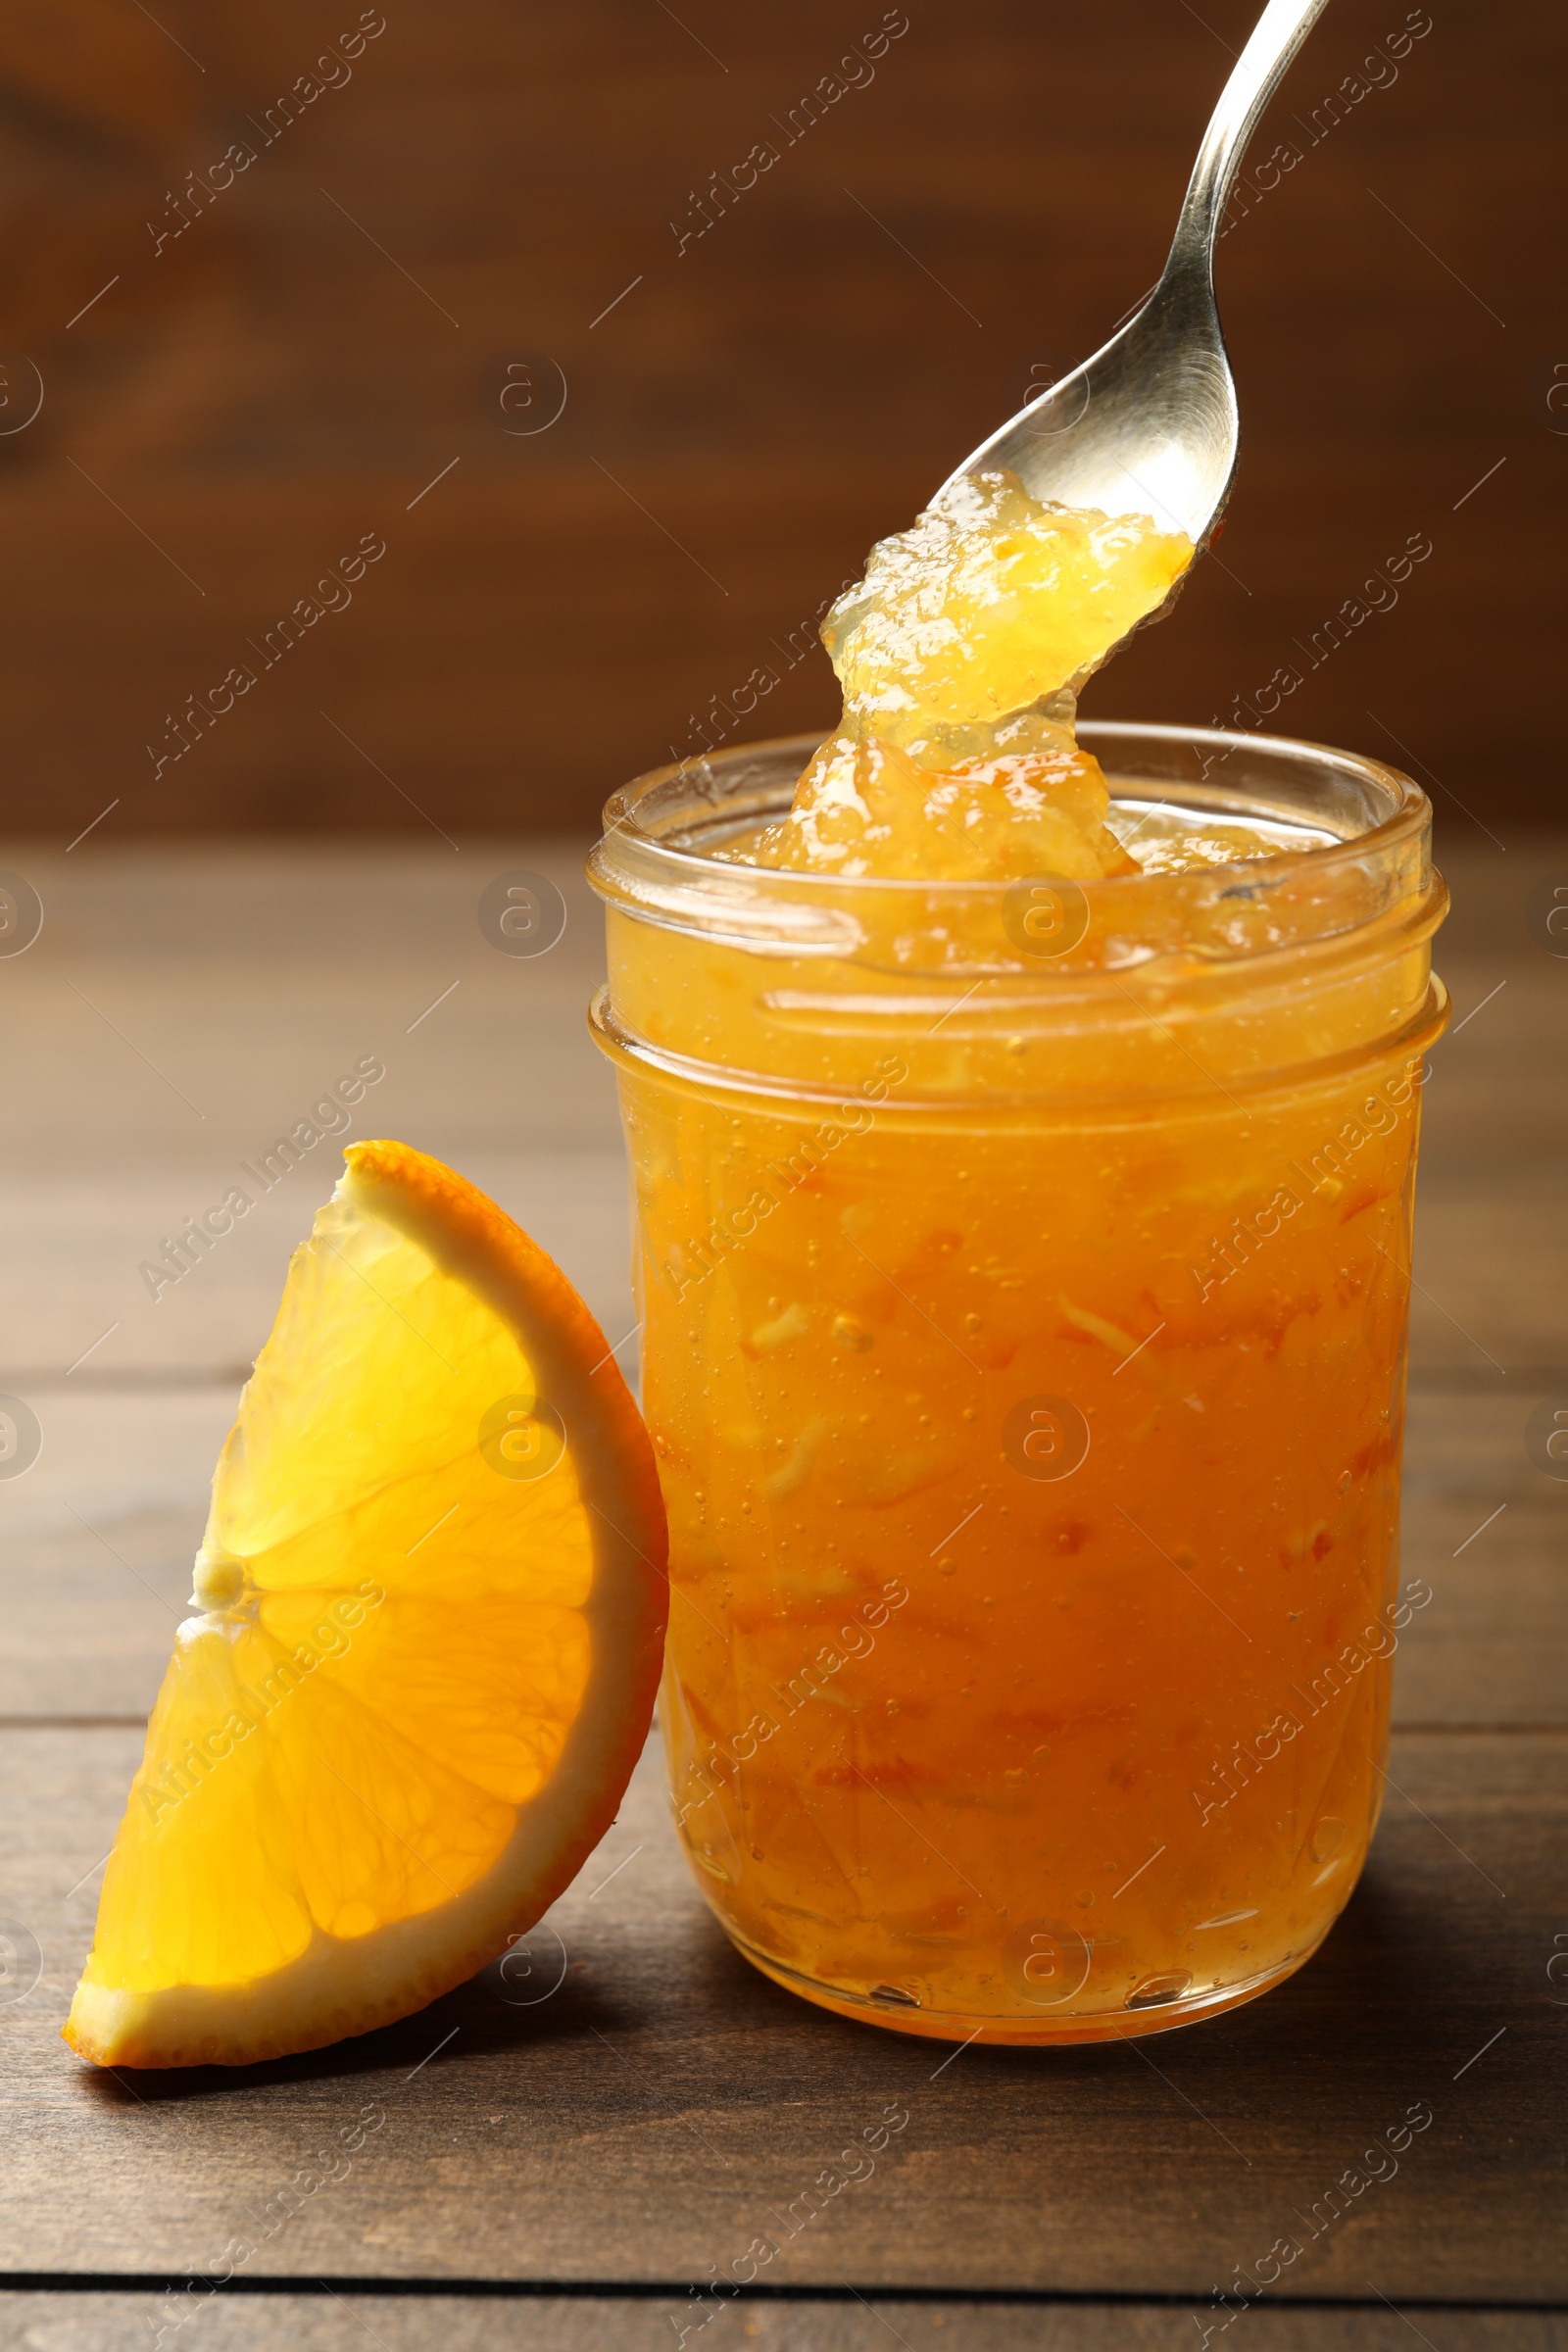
430 1607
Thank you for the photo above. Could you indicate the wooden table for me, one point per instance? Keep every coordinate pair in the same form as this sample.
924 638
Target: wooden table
565 2173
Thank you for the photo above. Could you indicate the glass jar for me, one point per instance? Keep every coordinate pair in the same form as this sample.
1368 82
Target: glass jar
1024 1272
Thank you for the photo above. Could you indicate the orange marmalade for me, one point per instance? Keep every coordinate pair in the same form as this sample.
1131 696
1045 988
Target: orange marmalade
1024 1131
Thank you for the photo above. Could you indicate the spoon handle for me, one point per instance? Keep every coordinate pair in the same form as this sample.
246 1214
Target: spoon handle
1275 39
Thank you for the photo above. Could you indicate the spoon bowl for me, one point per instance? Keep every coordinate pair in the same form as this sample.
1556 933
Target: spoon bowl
1149 426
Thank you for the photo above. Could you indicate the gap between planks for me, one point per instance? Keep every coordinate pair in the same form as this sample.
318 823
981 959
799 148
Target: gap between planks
642 2291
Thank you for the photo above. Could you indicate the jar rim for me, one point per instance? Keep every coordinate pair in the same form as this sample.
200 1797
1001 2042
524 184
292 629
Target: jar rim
1369 863
1409 808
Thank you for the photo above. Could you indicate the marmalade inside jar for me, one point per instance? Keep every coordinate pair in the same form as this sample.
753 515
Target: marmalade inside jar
1024 1354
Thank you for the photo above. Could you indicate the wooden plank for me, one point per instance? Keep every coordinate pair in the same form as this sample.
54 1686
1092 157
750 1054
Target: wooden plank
247 974
250 980
71 1256
180 1011
325 2321
1485 1529
667 2105
99 1538
1490 1273
1491 1264
774 392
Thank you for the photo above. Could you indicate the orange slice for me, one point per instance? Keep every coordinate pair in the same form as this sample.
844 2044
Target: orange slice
431 1607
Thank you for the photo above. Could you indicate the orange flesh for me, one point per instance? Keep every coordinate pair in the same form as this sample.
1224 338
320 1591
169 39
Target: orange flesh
418 1672
956 1741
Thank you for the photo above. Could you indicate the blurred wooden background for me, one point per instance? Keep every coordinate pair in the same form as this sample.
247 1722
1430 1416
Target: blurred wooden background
483 198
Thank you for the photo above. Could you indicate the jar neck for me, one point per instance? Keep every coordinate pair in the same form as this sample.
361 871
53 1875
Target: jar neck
1209 985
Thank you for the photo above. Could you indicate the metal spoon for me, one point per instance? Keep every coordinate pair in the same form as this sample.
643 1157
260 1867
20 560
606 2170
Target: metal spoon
1149 426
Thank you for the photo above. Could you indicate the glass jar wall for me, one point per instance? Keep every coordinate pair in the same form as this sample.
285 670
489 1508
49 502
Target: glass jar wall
1024 1275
